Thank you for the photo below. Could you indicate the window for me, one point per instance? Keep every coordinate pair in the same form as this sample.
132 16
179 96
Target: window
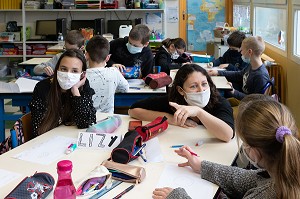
241 17
271 23
297 33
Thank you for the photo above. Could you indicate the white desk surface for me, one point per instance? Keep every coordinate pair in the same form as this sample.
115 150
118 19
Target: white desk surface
204 65
139 86
57 47
35 61
221 82
85 160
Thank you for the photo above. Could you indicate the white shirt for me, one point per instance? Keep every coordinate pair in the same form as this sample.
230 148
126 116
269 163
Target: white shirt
106 82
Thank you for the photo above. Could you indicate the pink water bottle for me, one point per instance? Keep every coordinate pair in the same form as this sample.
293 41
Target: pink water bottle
64 188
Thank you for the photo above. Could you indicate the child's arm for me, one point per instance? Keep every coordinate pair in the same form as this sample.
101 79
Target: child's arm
122 85
47 67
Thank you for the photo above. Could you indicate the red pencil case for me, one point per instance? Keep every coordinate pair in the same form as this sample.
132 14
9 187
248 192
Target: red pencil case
157 126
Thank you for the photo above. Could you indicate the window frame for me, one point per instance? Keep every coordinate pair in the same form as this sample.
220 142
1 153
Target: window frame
269 45
244 3
294 57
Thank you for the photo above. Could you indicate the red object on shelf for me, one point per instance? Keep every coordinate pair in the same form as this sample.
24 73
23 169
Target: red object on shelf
113 5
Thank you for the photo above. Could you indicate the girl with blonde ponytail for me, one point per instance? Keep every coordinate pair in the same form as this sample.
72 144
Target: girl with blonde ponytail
270 141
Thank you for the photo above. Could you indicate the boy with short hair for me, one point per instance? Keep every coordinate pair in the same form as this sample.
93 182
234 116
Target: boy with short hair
232 58
74 40
132 50
105 81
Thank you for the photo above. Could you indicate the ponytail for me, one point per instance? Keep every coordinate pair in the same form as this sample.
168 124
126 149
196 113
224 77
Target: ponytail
167 42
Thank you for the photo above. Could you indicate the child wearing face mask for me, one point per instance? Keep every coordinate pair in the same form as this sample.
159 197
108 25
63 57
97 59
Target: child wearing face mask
232 58
254 77
132 50
270 141
105 81
65 98
74 40
192 100
171 55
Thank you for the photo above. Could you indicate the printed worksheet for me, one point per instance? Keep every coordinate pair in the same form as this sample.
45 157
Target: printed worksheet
7 176
48 151
174 176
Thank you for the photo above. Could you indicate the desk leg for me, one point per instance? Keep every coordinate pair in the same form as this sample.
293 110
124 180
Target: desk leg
2 123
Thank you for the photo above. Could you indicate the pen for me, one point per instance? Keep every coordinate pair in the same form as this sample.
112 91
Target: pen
143 156
177 146
199 143
92 188
123 192
207 58
71 148
137 88
195 154
138 150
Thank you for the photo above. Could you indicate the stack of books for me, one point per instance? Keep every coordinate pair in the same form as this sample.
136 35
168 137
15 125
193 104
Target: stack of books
87 4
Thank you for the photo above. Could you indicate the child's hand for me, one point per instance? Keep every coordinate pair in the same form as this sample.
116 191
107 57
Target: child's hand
161 193
223 66
193 161
74 89
210 65
48 70
120 67
212 72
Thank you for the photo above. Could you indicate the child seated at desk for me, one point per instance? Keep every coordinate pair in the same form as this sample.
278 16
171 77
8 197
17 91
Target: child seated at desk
251 79
232 58
132 50
171 55
74 40
192 100
270 141
65 98
105 81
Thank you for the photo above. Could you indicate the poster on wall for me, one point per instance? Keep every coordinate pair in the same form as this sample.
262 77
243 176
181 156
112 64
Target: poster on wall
202 19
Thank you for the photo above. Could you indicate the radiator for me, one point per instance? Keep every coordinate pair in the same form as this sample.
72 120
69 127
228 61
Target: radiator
276 72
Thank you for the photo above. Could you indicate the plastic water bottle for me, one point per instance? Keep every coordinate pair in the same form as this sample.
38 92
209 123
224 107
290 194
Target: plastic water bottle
60 39
64 188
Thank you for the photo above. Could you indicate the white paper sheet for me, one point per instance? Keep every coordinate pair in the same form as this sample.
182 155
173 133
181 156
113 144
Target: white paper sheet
48 151
153 151
26 85
7 176
174 176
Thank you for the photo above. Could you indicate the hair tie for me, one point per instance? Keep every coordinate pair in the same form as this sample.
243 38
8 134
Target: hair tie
281 131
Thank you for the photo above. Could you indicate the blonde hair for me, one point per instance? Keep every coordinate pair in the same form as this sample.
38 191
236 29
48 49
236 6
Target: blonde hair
256 43
256 124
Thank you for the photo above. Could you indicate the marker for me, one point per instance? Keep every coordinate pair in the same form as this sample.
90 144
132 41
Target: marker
105 190
123 192
136 152
177 146
71 148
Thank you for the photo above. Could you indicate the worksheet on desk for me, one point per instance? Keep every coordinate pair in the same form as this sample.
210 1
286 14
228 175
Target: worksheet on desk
46 152
174 176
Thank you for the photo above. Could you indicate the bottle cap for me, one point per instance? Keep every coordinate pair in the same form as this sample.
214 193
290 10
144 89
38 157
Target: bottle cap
64 165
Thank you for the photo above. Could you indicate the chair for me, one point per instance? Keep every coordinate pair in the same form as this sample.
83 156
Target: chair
269 88
27 126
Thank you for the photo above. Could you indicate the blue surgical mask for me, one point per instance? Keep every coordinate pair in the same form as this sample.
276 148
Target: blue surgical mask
246 60
133 49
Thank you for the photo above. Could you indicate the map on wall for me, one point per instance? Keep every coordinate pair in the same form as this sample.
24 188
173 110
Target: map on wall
203 15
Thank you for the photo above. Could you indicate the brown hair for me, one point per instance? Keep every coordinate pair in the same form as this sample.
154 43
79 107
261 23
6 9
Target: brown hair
98 48
55 111
236 38
256 124
182 75
256 43
74 37
178 43
141 33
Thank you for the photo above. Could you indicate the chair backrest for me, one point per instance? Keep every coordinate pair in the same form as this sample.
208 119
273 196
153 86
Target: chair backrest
269 87
27 126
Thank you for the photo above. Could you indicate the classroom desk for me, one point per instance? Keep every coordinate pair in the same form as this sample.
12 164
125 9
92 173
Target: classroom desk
85 160
31 63
57 47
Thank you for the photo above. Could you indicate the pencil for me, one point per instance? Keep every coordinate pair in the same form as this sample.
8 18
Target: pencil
123 192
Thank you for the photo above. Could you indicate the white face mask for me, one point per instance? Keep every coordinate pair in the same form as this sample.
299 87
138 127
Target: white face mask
200 99
133 49
254 163
67 80
246 60
174 55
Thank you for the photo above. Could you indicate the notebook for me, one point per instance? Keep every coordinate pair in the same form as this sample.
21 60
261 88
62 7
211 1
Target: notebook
22 85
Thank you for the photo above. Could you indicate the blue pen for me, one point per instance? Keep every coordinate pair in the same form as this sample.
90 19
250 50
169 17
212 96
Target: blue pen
177 146
143 156
137 88
137 151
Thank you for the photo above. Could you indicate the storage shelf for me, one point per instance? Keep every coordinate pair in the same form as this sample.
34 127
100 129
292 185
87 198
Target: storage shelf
93 10
11 10
39 56
41 42
11 42
11 56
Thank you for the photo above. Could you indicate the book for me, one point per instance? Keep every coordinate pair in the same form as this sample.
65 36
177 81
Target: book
22 85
